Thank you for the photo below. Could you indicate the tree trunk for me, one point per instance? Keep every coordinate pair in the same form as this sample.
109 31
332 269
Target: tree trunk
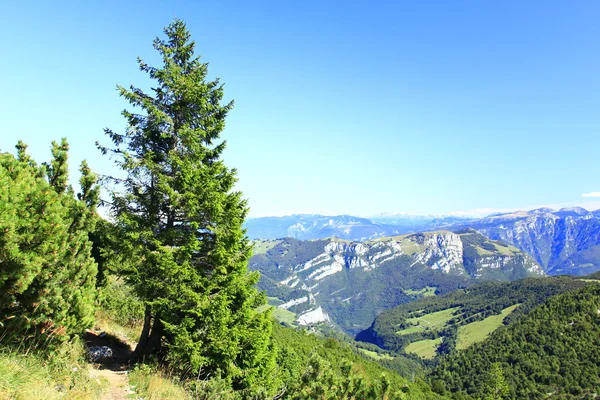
151 338
155 339
142 345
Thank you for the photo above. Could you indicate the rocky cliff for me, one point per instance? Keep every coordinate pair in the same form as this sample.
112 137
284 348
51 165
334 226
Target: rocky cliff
349 283
563 242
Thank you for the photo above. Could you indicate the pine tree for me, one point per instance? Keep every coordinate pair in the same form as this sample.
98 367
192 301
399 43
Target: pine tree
47 276
496 386
177 214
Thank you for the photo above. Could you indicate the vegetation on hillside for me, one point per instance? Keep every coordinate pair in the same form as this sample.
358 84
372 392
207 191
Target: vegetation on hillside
393 282
554 350
47 274
450 316
169 270
37 376
325 368
382 273
169 267
178 217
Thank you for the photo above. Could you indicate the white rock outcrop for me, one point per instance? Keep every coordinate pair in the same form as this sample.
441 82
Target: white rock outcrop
313 316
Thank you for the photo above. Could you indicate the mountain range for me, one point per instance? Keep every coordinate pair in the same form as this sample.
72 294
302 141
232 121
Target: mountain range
315 226
565 241
348 283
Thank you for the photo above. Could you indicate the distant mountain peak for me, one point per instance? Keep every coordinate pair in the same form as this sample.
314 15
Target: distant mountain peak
576 210
542 210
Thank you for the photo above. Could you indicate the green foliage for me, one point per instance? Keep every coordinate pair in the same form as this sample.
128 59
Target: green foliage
553 349
394 329
312 367
320 382
47 276
120 301
180 222
58 170
496 387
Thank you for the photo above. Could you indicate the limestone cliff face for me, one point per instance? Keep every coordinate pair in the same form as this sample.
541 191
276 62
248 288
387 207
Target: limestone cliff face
332 275
445 248
563 242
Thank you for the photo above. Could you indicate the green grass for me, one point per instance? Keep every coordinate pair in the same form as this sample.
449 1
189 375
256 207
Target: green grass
262 246
590 280
410 247
376 355
106 321
284 315
482 252
274 301
424 348
280 314
478 331
503 250
153 385
425 292
37 377
434 320
409 330
506 251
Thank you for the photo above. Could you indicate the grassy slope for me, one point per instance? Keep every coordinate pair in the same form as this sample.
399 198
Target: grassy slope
435 319
431 321
34 377
153 385
467 334
262 246
425 292
284 315
424 348
480 330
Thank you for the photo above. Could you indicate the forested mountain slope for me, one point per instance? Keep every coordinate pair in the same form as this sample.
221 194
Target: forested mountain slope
554 350
311 364
463 317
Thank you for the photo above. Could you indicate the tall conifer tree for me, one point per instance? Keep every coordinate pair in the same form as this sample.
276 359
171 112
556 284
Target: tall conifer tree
176 212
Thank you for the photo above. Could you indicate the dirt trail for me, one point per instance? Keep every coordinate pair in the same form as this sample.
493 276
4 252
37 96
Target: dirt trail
118 384
113 369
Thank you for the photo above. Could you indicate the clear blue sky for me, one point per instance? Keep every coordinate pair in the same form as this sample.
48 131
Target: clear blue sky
341 106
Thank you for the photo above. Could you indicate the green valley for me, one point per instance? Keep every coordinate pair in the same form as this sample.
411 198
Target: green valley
456 320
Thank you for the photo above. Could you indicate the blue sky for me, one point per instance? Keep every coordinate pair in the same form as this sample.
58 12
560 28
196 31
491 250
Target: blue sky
341 106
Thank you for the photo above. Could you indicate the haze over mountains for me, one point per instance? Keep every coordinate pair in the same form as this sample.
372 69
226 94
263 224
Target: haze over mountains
565 241
315 226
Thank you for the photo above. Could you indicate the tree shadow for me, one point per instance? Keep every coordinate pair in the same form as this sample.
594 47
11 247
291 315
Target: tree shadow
120 359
